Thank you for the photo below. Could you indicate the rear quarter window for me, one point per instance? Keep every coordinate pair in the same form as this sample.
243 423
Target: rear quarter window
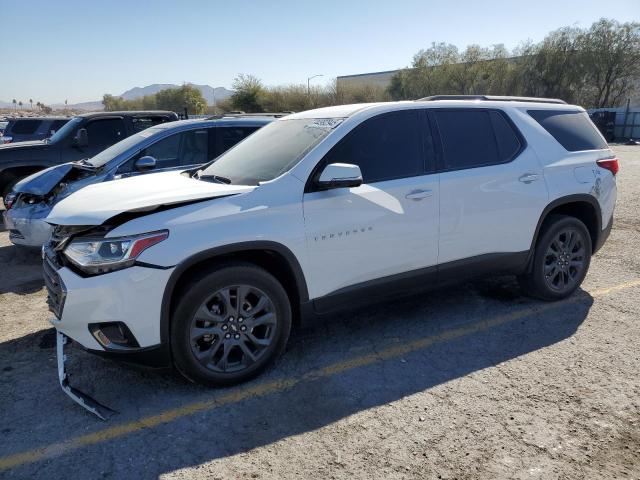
573 130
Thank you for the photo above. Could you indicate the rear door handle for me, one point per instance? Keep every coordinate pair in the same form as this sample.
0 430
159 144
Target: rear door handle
529 177
418 194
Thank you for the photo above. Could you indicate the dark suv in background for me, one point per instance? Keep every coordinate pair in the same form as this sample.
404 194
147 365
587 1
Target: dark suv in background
81 137
24 129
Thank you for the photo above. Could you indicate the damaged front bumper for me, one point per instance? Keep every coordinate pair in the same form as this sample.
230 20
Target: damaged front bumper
85 401
26 224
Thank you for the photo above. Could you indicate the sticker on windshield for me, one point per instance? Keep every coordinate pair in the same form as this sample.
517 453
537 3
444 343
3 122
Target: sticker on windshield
324 123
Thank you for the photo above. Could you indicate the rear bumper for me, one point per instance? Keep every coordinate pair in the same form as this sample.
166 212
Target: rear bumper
604 235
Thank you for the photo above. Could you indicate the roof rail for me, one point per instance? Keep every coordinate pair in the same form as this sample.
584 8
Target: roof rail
237 114
494 98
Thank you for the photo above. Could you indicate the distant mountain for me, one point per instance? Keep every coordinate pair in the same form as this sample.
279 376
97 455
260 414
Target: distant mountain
207 91
88 106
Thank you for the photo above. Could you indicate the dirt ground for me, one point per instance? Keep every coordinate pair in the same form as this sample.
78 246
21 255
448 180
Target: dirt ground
472 382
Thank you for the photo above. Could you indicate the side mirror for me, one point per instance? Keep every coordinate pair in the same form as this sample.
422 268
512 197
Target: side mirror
145 163
82 138
339 175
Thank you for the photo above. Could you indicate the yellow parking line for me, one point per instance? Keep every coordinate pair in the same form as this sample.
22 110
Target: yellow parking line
60 448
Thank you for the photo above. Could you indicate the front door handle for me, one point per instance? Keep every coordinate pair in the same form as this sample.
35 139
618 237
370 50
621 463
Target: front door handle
529 177
418 194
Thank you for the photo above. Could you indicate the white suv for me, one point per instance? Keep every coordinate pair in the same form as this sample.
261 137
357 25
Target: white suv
208 269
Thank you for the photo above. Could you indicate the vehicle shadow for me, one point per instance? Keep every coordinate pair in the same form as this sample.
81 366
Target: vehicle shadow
429 322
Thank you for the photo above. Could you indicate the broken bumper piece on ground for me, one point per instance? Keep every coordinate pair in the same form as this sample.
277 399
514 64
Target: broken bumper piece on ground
81 398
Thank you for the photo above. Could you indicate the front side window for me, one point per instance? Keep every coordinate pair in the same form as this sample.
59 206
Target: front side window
57 125
105 132
179 149
25 127
193 149
385 147
166 151
68 129
271 151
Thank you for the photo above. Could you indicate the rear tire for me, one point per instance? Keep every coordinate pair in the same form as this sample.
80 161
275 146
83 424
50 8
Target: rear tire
560 261
229 324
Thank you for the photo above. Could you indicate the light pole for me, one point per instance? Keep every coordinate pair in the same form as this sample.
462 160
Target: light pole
309 84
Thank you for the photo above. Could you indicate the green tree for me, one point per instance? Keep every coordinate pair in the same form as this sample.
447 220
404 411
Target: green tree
248 93
611 61
176 99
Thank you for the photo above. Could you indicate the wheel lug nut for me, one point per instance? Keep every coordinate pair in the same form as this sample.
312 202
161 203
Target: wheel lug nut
236 336
243 328
240 319
224 327
228 335
231 319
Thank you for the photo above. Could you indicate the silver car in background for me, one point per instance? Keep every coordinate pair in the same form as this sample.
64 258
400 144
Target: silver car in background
168 146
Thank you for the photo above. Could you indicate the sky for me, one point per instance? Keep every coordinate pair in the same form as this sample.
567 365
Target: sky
79 50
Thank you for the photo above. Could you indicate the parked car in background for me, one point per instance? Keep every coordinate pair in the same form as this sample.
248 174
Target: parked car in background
327 209
176 145
82 137
3 125
38 128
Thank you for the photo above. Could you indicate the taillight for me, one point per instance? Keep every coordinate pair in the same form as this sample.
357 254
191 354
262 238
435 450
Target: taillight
610 164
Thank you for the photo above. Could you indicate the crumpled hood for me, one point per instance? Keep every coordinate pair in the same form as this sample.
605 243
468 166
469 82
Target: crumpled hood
95 204
42 182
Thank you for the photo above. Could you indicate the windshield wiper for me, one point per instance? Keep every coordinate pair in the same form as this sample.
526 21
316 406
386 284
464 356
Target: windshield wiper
215 178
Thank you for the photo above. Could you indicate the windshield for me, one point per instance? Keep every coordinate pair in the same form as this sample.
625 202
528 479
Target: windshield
270 152
65 129
116 149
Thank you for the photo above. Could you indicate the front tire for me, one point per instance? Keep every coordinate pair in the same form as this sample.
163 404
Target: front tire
229 325
561 259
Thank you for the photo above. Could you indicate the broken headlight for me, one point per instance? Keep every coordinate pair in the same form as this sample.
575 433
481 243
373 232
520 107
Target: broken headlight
9 200
102 255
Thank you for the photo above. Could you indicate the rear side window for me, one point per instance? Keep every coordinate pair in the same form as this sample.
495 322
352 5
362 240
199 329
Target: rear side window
508 142
25 127
573 130
384 147
467 139
105 132
142 123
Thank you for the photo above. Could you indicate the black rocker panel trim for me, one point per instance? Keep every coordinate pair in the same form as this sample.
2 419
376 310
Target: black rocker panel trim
416 281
